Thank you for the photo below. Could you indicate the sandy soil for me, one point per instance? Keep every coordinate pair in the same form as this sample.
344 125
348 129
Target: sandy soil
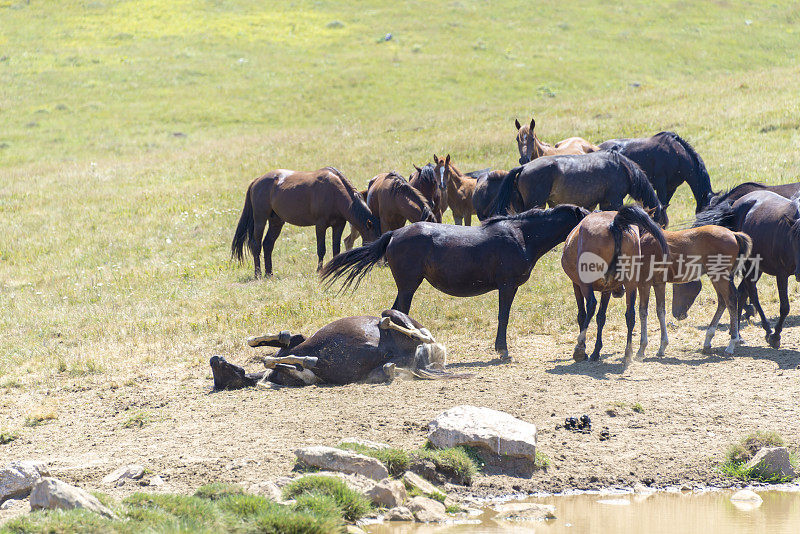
694 406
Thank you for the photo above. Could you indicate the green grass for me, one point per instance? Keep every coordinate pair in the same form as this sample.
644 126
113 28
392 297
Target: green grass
218 490
738 454
7 436
395 460
459 463
137 420
352 504
211 509
542 461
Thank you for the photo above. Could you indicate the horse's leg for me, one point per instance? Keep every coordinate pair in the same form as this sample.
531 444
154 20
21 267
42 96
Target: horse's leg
336 237
506 294
351 239
732 300
712 328
644 304
752 292
468 218
581 309
746 309
457 219
405 293
321 228
630 321
579 354
275 227
775 339
661 312
255 245
605 296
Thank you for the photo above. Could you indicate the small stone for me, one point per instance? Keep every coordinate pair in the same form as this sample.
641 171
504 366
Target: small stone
427 510
746 500
155 481
413 480
516 511
12 503
132 471
334 459
51 493
387 493
399 513
270 490
772 462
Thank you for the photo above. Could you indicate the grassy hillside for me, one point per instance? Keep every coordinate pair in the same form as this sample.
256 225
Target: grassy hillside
130 130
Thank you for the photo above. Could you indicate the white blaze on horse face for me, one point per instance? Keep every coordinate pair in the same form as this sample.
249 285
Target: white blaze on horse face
441 177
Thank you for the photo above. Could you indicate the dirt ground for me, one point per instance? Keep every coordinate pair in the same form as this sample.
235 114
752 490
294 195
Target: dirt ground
693 405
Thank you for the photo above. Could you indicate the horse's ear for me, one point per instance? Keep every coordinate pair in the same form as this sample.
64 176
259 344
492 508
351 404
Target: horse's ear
436 159
415 166
447 160
533 124
517 124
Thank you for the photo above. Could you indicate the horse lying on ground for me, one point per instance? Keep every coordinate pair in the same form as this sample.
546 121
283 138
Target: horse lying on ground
352 349
462 261
668 161
394 201
530 147
773 223
322 198
487 186
601 179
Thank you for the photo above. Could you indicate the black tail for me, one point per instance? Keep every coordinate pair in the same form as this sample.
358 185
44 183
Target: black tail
623 220
701 173
721 214
640 187
502 202
245 228
356 263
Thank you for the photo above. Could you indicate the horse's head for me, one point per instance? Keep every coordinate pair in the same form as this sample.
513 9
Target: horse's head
659 215
525 142
442 170
683 296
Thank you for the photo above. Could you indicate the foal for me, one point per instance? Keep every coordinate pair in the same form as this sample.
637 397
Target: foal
460 188
530 147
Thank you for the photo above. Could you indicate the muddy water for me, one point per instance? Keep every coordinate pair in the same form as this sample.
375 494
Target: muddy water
668 513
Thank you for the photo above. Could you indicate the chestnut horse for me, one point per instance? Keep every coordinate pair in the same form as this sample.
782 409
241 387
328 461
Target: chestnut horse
460 188
462 261
322 198
530 147
425 181
394 201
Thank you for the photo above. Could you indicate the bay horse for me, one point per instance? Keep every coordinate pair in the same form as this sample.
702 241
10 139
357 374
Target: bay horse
668 161
601 179
461 261
460 188
425 181
590 259
773 224
486 187
323 198
394 201
530 147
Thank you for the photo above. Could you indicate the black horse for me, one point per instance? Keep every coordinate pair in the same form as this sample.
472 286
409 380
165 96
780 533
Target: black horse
486 189
734 194
668 160
462 261
601 179
773 223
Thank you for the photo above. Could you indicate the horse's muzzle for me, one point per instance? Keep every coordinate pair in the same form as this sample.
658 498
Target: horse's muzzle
523 161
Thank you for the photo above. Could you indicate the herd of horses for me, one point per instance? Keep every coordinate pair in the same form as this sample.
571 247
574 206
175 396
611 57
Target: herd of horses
549 199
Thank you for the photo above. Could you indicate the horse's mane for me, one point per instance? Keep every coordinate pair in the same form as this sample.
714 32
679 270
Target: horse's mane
358 205
702 177
426 174
400 186
724 195
641 188
532 213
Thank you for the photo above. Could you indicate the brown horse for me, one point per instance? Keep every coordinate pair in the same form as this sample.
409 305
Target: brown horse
530 147
394 201
322 198
487 186
460 188
435 191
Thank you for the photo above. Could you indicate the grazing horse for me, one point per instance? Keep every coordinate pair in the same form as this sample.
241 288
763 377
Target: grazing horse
425 181
462 261
773 223
394 201
590 259
596 179
486 188
530 147
322 198
459 189
352 349
668 161
734 194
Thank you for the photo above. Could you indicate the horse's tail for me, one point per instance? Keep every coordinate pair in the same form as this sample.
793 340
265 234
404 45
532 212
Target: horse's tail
502 202
721 214
745 243
640 187
701 173
623 220
245 228
355 264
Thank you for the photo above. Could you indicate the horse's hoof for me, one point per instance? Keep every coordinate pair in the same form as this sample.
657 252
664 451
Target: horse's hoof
706 350
660 353
595 357
774 340
504 356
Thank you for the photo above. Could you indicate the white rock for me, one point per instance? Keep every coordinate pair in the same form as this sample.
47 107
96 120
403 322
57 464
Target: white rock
133 471
155 481
387 493
746 495
270 490
771 462
399 513
516 511
366 443
334 459
427 510
415 481
51 494
12 503
18 478
489 429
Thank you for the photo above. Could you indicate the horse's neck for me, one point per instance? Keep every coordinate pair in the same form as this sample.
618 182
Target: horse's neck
537 242
410 208
457 179
542 149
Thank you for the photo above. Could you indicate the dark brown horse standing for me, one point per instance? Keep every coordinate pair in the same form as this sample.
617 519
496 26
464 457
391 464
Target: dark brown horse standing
322 198
668 160
462 261
601 179
487 185
394 201
425 181
773 223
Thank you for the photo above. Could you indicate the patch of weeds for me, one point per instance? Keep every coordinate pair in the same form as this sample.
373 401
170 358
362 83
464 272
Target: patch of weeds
353 504
318 504
459 463
739 454
438 496
217 490
395 460
453 509
637 407
7 436
137 420
541 461
40 417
